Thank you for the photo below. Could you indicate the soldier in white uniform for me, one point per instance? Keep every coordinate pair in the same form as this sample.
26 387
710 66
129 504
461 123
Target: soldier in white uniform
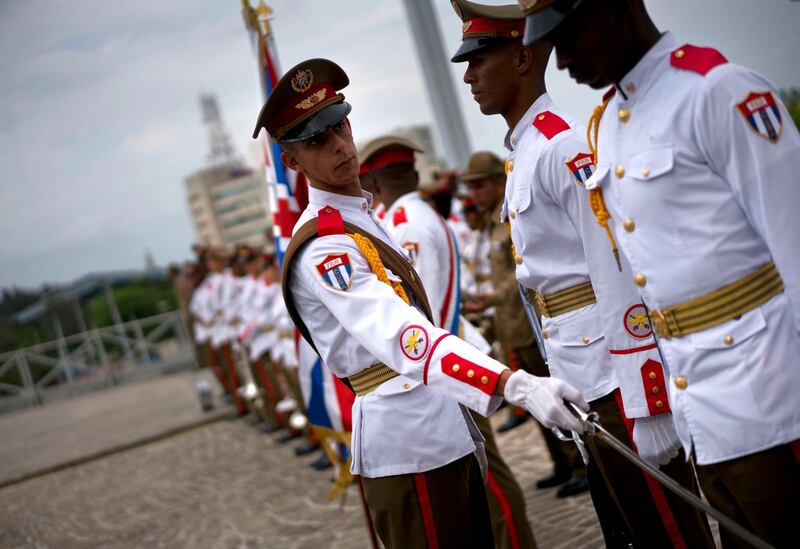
387 164
696 164
591 312
411 441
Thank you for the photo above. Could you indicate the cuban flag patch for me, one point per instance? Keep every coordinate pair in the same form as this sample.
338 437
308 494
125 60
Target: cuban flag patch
581 167
761 112
335 271
412 249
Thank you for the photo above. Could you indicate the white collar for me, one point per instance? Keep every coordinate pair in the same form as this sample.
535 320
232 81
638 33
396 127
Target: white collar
542 103
641 75
318 199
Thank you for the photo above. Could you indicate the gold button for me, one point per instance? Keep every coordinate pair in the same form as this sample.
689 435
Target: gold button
514 33
624 115
645 172
655 390
629 225
679 54
728 340
406 386
630 87
652 375
518 259
541 117
513 140
513 214
681 382
620 171
585 340
456 367
484 380
640 280
470 373
510 164
545 334
659 404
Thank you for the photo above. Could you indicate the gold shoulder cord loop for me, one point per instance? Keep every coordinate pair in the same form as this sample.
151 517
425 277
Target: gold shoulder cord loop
375 263
596 201
507 223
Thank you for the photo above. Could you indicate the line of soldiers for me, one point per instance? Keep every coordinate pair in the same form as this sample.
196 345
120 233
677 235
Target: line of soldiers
654 251
243 332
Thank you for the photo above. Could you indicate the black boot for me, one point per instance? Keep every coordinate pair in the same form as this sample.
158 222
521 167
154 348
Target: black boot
321 463
573 487
287 436
557 478
305 447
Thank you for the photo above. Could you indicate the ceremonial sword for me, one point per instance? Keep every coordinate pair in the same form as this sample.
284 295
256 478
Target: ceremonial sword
592 427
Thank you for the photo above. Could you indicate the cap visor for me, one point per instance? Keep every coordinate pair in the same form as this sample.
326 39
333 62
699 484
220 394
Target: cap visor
323 120
472 45
539 24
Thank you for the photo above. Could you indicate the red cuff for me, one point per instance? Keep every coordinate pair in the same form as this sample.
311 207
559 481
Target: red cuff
655 389
470 373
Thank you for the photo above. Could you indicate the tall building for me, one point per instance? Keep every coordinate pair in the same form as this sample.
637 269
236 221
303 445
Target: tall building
227 200
228 204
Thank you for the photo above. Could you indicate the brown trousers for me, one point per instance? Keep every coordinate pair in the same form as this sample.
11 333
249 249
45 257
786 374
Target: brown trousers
631 505
760 491
506 503
565 455
443 508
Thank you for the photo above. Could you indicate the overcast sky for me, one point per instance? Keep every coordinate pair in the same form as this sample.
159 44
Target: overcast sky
100 120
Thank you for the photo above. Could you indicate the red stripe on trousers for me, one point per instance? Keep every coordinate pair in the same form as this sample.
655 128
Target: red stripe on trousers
667 518
427 511
506 507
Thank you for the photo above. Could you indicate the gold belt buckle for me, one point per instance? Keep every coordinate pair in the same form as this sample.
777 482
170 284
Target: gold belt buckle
539 302
660 324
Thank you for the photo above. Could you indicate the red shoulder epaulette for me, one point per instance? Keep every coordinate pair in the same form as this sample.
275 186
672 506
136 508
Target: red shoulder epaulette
609 94
696 59
549 124
329 221
399 216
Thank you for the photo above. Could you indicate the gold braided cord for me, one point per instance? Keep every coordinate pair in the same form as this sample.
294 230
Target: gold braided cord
376 265
596 201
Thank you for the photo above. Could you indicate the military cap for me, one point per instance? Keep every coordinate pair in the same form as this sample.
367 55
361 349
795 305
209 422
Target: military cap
389 150
542 16
305 102
481 165
441 181
485 26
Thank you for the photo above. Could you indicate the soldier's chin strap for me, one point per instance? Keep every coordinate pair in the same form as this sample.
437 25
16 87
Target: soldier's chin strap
596 201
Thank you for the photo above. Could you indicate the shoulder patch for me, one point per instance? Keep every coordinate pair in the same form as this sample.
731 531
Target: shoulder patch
329 221
761 112
399 216
335 271
696 59
582 167
414 343
637 323
549 124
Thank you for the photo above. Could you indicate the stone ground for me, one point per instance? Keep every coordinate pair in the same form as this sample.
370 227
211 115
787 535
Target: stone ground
223 484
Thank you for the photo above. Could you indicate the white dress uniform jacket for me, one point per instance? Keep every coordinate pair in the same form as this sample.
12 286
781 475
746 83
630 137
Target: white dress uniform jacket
411 423
697 159
200 307
431 246
547 196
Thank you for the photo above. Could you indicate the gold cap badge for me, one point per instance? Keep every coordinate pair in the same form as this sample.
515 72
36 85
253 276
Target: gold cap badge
302 80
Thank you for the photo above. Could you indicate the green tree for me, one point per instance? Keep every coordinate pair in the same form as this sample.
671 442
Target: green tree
141 298
791 99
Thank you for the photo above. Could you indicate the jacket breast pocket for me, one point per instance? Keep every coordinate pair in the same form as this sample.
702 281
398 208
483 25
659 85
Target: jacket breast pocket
651 163
521 195
731 333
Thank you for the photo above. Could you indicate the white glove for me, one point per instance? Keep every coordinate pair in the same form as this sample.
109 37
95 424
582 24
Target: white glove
656 439
544 398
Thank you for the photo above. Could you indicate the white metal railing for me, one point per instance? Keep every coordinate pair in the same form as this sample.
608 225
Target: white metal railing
94 359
